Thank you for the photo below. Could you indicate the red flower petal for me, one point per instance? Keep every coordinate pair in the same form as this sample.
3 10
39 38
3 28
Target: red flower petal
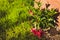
34 31
30 12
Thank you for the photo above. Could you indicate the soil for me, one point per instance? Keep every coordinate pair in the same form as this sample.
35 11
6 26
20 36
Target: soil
52 34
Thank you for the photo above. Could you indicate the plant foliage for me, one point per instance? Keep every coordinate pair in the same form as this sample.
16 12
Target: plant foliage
16 20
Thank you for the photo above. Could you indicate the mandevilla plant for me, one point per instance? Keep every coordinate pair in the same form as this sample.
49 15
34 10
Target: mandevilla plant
43 18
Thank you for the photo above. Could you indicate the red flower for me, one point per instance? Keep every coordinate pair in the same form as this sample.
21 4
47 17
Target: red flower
36 32
39 33
30 12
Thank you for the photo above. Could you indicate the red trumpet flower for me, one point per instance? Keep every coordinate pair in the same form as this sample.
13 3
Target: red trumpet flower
30 12
36 32
39 33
